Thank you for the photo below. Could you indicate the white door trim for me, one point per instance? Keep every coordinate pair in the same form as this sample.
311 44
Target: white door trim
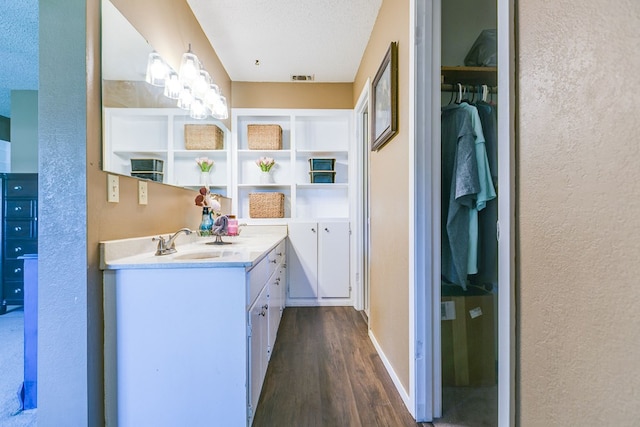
426 366
361 191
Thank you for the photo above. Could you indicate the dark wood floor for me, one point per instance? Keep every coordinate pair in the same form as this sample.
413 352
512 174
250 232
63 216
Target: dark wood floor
324 372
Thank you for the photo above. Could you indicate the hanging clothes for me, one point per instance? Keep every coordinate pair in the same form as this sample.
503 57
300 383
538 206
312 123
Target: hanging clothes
461 124
487 191
460 185
488 218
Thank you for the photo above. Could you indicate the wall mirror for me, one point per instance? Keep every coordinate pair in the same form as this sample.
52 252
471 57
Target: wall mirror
141 124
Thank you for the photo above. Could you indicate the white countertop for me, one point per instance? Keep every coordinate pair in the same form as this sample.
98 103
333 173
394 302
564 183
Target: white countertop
245 250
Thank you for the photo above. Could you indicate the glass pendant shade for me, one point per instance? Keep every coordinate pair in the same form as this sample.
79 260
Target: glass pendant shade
198 110
185 99
221 112
156 70
172 86
201 84
189 68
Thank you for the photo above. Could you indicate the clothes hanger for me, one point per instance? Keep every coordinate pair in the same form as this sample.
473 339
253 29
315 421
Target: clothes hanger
459 98
485 91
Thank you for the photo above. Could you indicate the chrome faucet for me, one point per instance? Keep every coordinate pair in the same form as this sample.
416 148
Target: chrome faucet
166 247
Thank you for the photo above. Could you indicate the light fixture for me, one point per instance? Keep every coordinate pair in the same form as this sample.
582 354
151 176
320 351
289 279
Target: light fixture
198 110
192 86
156 69
185 98
201 84
189 67
172 86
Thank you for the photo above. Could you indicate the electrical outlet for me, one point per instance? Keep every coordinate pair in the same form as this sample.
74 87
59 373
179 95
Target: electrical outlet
113 188
143 194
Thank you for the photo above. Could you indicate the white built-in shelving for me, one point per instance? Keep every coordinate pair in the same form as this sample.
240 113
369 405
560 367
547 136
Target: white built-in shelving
158 133
306 134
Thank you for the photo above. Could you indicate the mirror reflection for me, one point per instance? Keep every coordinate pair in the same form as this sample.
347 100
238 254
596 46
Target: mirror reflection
157 122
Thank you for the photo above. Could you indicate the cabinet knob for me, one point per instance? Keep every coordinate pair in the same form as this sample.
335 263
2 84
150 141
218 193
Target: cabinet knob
17 187
17 290
17 249
17 208
17 270
17 228
326 229
313 229
279 254
273 261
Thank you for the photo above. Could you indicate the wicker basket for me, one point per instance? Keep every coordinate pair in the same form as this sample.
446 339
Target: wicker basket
266 205
264 137
203 137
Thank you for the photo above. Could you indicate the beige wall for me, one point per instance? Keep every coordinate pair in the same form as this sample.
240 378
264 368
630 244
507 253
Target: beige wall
389 297
292 95
578 213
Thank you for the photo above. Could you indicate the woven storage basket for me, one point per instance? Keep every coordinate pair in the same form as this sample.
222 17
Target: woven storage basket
203 137
266 205
264 137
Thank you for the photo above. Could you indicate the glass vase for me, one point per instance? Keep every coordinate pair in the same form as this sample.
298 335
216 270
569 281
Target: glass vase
204 179
206 223
266 177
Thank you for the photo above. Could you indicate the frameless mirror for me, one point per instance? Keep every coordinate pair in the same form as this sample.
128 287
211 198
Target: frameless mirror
144 130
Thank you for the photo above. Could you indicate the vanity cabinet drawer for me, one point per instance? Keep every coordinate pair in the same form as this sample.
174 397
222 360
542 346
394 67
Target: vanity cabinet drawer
20 209
21 187
17 248
19 229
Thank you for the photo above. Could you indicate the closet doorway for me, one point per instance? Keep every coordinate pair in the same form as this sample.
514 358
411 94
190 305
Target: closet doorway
464 293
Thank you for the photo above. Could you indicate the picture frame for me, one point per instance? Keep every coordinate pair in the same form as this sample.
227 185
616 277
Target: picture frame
384 100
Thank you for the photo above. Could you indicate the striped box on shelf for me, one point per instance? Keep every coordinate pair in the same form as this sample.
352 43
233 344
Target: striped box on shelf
266 205
264 137
203 137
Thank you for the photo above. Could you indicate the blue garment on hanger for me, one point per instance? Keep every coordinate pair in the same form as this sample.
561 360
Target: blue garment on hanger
460 185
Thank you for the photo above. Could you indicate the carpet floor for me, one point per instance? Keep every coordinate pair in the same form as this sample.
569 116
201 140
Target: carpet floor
12 370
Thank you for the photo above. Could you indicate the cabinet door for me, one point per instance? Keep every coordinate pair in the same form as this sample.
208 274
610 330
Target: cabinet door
303 260
333 260
258 357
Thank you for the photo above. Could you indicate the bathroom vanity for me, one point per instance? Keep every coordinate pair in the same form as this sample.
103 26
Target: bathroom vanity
188 336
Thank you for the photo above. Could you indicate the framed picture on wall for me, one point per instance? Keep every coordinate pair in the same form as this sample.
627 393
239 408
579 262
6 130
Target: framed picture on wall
384 121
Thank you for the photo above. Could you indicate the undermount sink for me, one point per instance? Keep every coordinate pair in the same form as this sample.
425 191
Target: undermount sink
199 255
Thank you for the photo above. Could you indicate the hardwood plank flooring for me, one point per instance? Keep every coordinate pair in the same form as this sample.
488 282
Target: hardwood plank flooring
325 372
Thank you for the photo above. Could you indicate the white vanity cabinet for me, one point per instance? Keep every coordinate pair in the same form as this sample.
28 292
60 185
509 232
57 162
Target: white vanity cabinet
318 263
201 362
264 316
259 349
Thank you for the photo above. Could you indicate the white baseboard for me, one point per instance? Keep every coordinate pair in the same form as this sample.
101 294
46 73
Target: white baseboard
396 381
311 302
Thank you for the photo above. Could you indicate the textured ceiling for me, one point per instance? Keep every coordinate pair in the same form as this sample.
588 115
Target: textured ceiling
325 38
18 49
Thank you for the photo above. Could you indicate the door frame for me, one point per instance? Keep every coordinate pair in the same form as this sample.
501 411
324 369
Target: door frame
425 62
361 200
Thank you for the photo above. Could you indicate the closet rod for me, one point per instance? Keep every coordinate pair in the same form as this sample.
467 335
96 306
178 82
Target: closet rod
444 87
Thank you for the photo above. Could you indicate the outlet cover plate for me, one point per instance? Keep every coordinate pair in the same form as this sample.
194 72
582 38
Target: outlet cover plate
143 193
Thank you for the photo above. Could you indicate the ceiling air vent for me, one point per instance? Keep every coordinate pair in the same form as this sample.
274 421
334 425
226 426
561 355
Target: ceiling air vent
302 78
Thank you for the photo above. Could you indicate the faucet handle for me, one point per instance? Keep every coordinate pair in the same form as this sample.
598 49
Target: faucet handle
161 244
